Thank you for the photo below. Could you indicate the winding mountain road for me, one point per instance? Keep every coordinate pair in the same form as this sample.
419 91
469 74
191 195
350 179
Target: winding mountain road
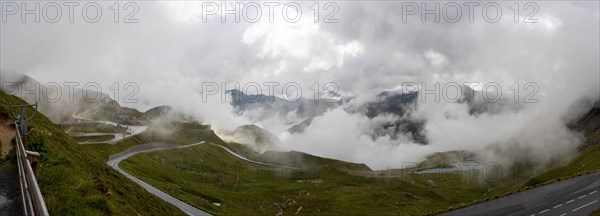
252 161
132 130
114 161
577 196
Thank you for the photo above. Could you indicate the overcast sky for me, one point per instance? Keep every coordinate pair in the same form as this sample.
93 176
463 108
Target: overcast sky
171 51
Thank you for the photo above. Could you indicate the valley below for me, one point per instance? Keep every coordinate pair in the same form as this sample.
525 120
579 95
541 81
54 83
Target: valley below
193 171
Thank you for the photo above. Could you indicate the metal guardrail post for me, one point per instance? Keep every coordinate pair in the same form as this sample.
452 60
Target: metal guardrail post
33 202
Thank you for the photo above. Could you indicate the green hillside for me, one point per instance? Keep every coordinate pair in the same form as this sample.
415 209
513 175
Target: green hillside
588 161
75 179
206 174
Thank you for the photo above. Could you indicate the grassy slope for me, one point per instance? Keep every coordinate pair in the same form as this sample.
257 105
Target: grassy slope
75 180
178 133
205 174
93 128
294 159
98 138
111 112
587 161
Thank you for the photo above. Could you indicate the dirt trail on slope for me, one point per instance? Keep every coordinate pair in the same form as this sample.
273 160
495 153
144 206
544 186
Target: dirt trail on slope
6 135
10 203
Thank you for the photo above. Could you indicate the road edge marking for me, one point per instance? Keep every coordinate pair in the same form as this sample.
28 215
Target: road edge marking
583 206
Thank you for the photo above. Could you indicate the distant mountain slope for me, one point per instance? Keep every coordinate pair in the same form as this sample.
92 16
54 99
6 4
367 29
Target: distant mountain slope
301 160
398 104
169 112
255 137
391 104
159 110
590 121
300 127
60 106
303 107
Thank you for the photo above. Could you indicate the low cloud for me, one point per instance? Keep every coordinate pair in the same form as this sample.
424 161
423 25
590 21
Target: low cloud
368 51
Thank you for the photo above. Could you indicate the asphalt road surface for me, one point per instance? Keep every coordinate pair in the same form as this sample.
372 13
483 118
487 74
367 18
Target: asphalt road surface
252 161
577 196
132 130
114 161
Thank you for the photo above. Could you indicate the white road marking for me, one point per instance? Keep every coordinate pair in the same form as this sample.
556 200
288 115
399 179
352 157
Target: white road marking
593 192
570 201
583 206
581 197
558 206
544 211
563 214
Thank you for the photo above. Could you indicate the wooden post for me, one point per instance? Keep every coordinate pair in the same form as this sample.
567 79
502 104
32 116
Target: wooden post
25 142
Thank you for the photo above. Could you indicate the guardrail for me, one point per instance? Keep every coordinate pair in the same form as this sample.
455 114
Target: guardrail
33 202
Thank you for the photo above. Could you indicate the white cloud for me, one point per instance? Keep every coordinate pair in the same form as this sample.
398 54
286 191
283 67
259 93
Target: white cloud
301 42
170 52
435 58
